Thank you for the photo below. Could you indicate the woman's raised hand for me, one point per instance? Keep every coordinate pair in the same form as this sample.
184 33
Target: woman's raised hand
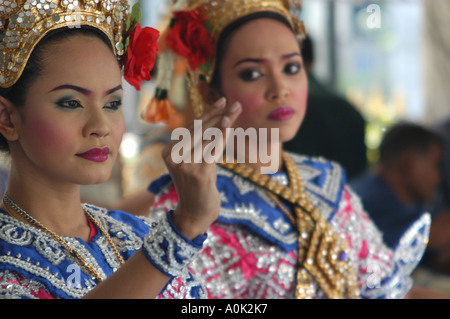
195 180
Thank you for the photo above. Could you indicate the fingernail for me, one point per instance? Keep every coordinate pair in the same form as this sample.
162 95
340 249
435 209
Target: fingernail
236 106
221 103
225 121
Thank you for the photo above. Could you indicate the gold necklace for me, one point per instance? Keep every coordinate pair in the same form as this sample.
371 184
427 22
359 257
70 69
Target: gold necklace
321 252
8 202
296 188
281 206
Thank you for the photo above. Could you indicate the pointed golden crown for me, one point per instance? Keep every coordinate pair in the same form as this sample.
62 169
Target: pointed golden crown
23 23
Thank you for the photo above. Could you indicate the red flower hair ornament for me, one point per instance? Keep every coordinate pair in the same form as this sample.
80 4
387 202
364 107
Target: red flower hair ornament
189 38
141 54
141 47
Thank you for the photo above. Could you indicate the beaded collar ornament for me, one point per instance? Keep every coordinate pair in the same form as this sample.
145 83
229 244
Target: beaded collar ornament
23 23
193 33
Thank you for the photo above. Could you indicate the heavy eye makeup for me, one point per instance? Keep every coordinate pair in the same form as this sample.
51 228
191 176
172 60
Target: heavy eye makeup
250 75
292 68
72 103
68 102
253 74
114 105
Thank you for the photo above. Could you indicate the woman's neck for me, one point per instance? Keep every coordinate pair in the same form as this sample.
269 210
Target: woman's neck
57 207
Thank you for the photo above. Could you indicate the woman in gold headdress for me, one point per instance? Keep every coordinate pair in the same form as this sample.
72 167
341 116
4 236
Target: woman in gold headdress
61 122
297 230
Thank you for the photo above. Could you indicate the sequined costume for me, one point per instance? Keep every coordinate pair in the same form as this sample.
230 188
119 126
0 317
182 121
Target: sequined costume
34 265
251 250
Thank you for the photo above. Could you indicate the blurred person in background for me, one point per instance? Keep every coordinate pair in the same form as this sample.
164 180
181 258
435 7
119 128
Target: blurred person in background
405 183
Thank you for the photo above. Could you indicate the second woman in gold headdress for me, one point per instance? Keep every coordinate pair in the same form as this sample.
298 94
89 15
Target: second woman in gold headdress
297 232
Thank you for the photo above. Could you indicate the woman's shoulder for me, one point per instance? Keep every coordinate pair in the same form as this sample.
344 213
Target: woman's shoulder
324 179
319 164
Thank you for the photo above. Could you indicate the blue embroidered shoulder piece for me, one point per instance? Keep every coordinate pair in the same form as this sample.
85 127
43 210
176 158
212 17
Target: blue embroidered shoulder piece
407 255
37 256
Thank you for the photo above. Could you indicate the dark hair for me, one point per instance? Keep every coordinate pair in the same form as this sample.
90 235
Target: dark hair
307 50
406 137
221 46
17 93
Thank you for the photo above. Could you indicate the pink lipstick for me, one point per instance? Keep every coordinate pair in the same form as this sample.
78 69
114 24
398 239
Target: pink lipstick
282 114
96 154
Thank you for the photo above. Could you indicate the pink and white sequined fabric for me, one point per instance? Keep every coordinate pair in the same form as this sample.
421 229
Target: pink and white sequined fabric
238 264
240 261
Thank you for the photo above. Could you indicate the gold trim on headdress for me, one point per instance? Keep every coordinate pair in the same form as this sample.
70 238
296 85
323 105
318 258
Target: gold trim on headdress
23 23
212 17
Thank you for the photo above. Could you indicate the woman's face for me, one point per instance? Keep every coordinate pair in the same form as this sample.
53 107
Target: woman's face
263 70
71 124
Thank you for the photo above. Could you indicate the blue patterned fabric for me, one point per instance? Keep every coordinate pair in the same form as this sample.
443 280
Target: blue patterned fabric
31 261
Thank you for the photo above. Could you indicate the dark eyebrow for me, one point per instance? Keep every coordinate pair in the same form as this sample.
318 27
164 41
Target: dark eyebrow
249 60
117 88
83 90
288 56
284 57
72 87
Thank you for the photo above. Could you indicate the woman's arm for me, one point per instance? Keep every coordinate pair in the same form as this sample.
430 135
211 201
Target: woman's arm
136 279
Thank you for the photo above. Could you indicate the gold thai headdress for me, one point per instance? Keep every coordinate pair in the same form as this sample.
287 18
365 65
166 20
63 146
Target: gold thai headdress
24 23
194 32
